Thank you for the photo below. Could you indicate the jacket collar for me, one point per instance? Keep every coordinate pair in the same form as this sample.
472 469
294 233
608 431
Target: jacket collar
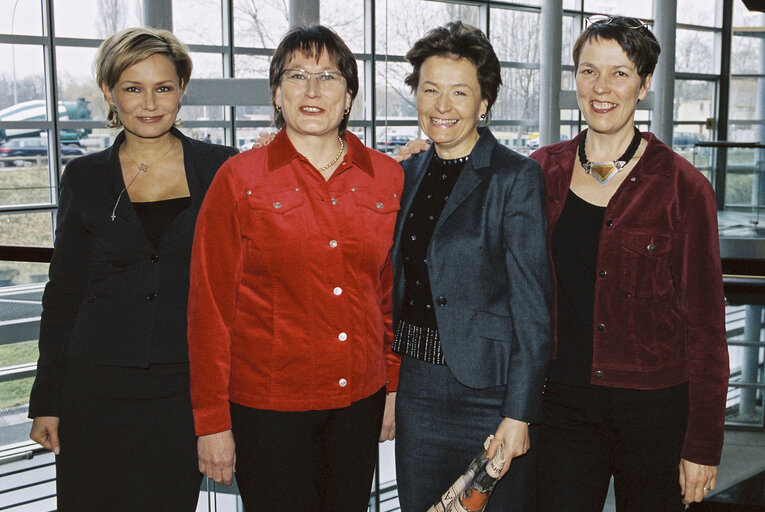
281 152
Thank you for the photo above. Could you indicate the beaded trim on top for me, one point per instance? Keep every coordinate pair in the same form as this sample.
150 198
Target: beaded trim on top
451 161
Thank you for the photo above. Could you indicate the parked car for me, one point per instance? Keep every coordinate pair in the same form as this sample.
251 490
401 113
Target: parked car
684 139
393 143
17 152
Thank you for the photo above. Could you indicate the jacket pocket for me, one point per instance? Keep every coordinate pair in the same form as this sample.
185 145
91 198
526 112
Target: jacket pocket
644 264
278 203
492 326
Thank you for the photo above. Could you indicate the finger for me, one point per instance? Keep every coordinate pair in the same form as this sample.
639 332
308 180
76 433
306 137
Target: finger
55 445
493 445
682 480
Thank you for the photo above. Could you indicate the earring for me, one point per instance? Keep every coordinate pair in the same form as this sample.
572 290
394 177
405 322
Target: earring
278 108
483 116
346 111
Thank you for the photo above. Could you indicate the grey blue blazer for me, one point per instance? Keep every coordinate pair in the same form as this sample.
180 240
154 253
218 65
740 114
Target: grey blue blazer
490 274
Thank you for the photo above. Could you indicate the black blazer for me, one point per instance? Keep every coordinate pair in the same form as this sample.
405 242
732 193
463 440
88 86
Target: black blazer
489 272
110 293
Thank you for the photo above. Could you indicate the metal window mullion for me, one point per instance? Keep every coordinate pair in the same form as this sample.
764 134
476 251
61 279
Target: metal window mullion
51 86
370 70
725 39
229 62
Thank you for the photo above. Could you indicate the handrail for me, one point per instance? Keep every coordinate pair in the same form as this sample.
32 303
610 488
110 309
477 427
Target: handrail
26 253
728 144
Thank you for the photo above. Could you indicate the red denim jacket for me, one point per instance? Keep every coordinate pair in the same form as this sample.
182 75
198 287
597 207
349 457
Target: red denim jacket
290 304
659 309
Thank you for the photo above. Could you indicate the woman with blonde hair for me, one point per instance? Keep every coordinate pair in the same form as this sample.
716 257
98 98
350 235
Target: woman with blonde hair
111 396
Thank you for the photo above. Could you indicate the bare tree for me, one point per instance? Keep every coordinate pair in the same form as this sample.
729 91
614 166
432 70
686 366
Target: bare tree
111 14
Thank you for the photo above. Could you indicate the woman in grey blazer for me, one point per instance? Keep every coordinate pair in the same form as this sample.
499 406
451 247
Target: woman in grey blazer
472 288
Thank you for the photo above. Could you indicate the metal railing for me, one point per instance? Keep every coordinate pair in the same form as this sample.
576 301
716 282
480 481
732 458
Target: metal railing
744 283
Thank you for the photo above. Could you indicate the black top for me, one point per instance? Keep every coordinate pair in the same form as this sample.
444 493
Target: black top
574 247
156 216
428 203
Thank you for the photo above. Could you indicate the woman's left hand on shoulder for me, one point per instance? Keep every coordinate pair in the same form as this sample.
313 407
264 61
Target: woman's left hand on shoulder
513 435
696 480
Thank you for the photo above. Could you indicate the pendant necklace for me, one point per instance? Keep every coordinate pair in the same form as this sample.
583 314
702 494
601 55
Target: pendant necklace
142 168
337 156
604 171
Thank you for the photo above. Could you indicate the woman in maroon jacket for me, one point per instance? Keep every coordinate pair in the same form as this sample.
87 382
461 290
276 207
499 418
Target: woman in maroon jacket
638 385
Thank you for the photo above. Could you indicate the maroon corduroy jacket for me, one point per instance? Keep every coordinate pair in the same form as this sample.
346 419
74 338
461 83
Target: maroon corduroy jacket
659 312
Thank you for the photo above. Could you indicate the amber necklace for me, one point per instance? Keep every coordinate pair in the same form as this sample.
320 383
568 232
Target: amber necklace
604 171
142 168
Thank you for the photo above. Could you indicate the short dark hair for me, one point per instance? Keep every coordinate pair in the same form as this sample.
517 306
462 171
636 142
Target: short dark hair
461 41
631 34
312 41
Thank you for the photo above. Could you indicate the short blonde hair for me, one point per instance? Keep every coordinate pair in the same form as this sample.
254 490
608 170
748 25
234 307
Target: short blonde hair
131 46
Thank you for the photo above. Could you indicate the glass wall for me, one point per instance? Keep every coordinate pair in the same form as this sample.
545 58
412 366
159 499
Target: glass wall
51 110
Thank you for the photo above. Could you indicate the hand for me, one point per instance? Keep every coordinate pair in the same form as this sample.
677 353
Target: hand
513 435
696 480
217 458
264 139
388 432
412 147
45 432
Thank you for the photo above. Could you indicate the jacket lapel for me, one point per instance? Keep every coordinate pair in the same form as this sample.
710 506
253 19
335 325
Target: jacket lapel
470 177
191 163
124 208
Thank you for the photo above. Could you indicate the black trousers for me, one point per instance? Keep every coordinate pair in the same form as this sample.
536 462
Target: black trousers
309 460
588 434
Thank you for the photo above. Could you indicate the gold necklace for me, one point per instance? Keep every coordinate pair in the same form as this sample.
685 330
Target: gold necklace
337 156
142 168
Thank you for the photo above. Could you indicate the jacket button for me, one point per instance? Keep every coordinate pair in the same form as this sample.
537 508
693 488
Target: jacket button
601 327
154 258
91 298
342 383
651 247
598 374
602 273
441 301
609 222
151 296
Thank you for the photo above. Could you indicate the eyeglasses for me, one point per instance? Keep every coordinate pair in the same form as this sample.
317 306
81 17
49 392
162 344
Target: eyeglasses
596 19
301 77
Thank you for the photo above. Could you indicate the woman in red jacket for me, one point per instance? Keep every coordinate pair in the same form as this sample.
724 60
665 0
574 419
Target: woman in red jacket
638 384
290 326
